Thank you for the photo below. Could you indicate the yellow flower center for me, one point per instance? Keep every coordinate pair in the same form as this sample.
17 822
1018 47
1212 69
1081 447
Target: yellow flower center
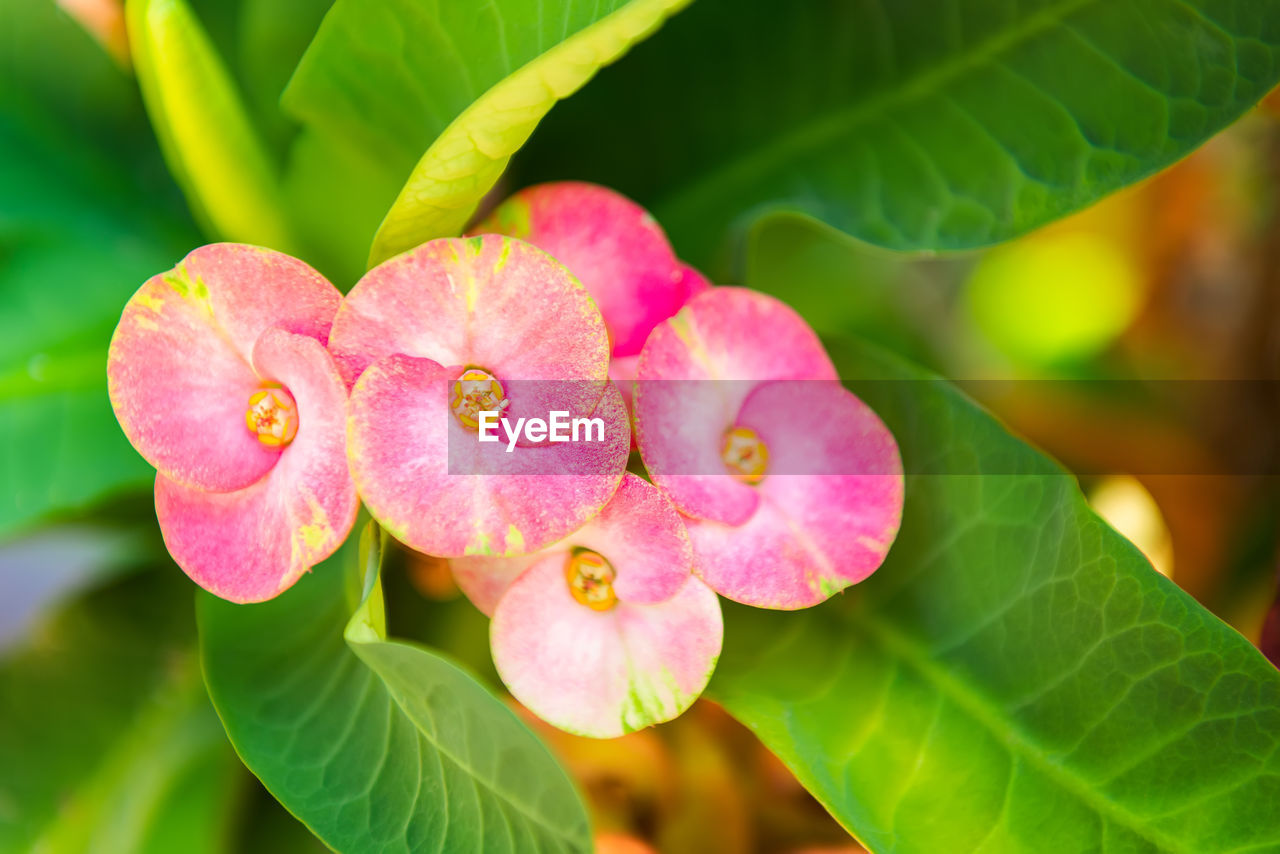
272 416
745 454
590 579
474 392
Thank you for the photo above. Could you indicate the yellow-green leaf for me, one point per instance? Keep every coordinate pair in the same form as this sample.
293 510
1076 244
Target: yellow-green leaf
472 152
204 129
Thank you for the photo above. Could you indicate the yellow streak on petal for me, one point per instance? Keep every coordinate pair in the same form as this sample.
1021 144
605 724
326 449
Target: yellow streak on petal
154 303
309 539
515 540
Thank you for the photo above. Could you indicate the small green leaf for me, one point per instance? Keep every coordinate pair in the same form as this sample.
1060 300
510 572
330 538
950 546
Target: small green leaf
204 129
1016 677
471 154
911 125
377 744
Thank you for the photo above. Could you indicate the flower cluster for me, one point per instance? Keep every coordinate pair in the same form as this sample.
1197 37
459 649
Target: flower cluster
271 406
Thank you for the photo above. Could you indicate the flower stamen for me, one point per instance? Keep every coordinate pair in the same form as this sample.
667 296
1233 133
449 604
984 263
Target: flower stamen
590 578
272 416
745 454
474 392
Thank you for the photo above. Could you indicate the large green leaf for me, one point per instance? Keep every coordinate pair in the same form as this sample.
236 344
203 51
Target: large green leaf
915 124
87 213
377 745
107 742
384 78
1015 677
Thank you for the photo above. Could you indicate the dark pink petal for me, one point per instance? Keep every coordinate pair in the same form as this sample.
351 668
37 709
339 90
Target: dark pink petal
179 370
489 302
826 519
603 673
611 244
695 372
639 532
254 543
430 483
692 282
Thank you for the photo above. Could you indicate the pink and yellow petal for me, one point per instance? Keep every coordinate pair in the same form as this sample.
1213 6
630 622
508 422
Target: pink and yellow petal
679 429
252 544
179 368
435 487
617 250
735 334
695 372
830 506
490 302
603 673
638 532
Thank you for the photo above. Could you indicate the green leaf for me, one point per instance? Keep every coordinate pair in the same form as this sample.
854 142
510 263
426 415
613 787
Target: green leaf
471 154
87 213
911 125
1015 677
106 738
384 78
377 744
208 139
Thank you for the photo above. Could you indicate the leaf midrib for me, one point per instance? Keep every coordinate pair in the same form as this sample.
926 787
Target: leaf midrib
910 651
826 126
519 807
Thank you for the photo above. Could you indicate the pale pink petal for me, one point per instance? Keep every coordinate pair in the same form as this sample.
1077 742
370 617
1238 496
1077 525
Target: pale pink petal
435 487
610 243
639 532
603 673
179 371
642 535
830 505
489 302
484 579
254 543
695 371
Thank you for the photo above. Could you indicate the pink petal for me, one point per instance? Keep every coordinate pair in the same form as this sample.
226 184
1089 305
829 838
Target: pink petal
179 369
692 282
828 511
430 483
639 532
603 673
252 544
484 579
610 243
695 371
489 302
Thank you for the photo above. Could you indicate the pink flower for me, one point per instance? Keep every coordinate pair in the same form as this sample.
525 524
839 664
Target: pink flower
219 376
793 486
432 338
616 249
606 631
